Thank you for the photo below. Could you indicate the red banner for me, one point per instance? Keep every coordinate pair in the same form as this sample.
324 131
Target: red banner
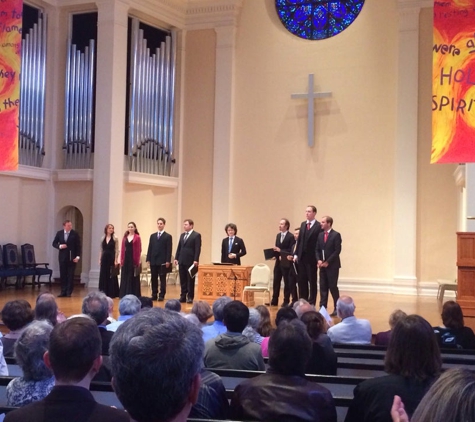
10 61
453 82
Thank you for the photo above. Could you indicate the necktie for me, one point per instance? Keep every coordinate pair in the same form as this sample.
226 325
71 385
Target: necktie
66 235
186 237
325 237
230 244
282 235
159 234
308 226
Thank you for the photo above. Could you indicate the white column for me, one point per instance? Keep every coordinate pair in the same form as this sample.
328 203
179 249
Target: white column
108 181
223 135
470 197
405 186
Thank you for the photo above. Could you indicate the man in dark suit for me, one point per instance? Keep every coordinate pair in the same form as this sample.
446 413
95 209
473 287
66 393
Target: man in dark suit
188 254
328 260
306 257
284 243
159 257
232 248
69 245
74 356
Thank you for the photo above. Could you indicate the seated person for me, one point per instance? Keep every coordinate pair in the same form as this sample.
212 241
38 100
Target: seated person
323 360
283 393
37 380
16 315
202 310
217 327
454 334
233 350
283 314
251 330
382 338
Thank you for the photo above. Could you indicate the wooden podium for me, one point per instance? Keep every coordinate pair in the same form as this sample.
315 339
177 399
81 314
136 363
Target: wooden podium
466 272
215 281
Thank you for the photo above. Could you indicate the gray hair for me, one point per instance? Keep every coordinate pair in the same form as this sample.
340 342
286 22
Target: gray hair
303 308
254 318
202 310
173 305
30 348
154 359
193 319
110 302
218 307
95 305
129 305
345 307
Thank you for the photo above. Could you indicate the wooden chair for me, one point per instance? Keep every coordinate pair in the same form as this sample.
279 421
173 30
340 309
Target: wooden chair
29 262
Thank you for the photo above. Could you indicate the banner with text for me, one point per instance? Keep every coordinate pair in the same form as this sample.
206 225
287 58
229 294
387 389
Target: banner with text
10 60
453 82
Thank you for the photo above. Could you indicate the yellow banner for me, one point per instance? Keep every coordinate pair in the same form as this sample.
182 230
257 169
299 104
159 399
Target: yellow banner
10 61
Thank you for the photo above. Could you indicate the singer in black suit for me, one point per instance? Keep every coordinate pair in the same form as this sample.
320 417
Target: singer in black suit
284 243
69 245
328 260
232 248
159 257
306 257
187 254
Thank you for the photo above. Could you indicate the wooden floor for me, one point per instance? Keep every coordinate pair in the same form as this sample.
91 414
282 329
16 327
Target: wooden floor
373 306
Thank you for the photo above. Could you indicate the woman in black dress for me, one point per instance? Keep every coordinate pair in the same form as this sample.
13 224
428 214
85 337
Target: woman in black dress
130 261
108 260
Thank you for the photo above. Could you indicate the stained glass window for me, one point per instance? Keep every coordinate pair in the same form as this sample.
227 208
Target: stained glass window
317 19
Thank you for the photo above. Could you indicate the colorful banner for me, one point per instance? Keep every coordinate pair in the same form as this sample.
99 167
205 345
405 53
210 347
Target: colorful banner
453 82
10 60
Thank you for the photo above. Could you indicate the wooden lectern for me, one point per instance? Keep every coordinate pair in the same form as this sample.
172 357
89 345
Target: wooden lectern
217 280
466 272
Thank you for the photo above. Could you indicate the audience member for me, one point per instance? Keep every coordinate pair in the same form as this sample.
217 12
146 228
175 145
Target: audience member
265 327
110 318
173 305
16 315
283 314
96 306
282 393
233 350
145 302
302 306
350 329
156 362
217 328
202 310
323 360
454 334
382 338
37 380
253 324
74 356
47 309
412 361
193 319
129 305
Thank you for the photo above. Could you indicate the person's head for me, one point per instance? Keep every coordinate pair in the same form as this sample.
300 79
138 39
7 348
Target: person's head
16 314
413 351
67 225
109 229
235 316
296 233
30 348
285 314
156 358
145 302
315 324
265 326
173 305
193 319
254 318
450 399
96 306
230 229
46 308
284 225
161 224
311 212
131 229
110 301
188 224
326 223
452 316
202 310
129 305
290 348
74 350
218 307
303 308
395 317
345 307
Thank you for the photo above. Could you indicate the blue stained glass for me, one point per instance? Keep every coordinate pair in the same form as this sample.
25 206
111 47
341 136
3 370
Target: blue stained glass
317 19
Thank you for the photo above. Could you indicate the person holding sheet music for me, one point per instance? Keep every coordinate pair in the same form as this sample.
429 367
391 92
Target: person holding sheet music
159 257
328 260
187 255
284 245
232 248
